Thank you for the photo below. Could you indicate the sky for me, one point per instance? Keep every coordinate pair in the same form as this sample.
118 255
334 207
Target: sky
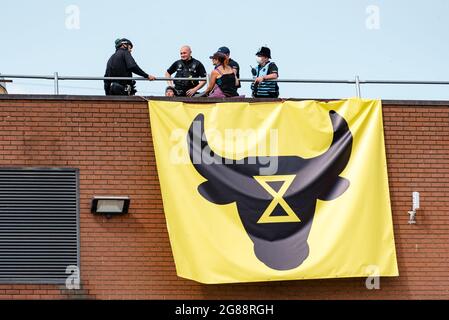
321 39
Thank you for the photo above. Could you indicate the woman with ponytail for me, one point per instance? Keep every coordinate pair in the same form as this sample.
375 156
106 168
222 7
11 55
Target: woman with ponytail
223 82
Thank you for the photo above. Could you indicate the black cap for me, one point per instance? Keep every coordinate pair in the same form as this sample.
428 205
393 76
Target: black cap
218 55
224 50
265 52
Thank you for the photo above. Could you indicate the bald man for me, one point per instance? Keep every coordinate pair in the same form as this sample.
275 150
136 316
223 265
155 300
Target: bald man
186 67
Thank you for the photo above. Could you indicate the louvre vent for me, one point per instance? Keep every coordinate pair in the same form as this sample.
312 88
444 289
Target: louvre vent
39 227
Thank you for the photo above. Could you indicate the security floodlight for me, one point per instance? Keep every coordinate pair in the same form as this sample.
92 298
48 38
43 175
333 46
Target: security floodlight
110 205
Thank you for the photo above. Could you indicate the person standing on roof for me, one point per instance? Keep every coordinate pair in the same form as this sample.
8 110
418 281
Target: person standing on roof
186 67
223 81
265 70
232 63
122 64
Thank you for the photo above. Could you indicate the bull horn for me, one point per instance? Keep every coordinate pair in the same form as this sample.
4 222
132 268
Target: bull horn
339 152
341 128
211 166
199 146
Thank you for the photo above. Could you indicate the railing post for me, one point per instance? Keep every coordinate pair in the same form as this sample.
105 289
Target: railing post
357 87
56 83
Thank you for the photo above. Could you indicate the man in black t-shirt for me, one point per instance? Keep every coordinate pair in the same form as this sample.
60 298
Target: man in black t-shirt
122 64
232 63
186 67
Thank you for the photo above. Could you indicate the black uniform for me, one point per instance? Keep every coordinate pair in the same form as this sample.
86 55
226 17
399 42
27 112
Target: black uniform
186 69
121 64
234 65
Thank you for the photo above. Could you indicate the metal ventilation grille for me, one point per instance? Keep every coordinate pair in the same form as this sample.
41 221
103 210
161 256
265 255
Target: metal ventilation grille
38 224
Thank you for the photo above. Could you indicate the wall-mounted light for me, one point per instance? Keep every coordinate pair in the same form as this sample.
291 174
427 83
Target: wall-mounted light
415 206
110 205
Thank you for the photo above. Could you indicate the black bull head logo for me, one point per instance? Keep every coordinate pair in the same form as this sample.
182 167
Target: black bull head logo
277 211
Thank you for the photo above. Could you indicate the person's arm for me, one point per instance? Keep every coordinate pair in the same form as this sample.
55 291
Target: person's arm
136 70
107 87
237 80
192 91
236 69
132 66
107 83
170 71
272 74
202 74
212 81
170 82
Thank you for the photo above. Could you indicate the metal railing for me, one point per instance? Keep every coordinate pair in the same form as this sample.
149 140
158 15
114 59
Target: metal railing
356 81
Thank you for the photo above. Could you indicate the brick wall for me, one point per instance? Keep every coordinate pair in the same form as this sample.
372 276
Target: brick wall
129 257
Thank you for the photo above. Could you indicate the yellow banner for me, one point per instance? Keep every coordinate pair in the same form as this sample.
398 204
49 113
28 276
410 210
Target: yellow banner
275 191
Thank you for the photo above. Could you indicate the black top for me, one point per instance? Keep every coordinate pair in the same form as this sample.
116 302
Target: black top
122 64
187 69
234 65
227 84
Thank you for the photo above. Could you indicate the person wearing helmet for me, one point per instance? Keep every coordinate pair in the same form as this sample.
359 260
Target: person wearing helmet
265 70
122 64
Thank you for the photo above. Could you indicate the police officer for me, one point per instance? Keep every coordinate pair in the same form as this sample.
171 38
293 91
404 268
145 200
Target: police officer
265 70
122 64
232 63
187 67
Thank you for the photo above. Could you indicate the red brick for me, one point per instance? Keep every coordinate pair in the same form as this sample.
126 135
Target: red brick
130 257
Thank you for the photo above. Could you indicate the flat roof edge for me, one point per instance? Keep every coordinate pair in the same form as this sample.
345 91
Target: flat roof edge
134 99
